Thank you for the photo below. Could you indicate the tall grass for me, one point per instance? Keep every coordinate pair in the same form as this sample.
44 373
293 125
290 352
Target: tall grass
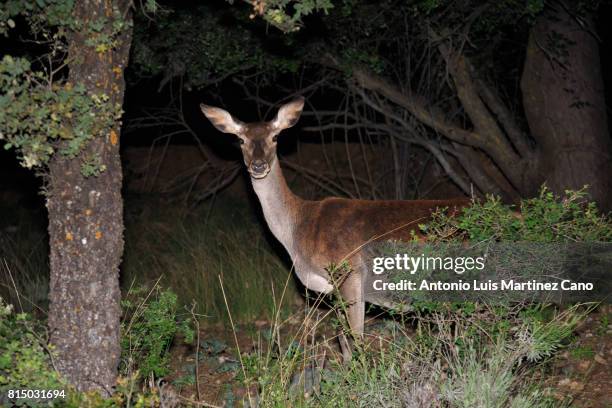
190 250
24 264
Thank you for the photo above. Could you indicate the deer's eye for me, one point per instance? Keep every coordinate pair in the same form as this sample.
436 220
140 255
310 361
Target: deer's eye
275 138
241 141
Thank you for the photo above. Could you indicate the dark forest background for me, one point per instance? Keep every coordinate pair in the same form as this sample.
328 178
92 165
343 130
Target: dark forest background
404 100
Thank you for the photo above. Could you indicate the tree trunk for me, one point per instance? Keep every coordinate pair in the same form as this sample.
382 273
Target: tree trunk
563 98
86 221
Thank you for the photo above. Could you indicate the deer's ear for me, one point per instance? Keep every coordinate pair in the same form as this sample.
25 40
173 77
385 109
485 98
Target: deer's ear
222 120
288 114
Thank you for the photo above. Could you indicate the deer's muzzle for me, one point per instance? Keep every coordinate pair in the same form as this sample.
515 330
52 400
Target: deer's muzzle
259 169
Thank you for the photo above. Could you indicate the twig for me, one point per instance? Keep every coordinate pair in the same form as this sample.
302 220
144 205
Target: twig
198 403
333 187
229 313
140 306
196 323
14 285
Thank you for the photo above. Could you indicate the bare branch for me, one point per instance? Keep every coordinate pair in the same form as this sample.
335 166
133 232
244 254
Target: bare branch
417 108
322 179
505 117
495 144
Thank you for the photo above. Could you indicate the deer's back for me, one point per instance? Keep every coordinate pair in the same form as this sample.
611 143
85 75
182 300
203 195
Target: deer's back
333 228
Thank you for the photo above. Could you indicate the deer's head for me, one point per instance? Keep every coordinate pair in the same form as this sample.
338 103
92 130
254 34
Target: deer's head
257 140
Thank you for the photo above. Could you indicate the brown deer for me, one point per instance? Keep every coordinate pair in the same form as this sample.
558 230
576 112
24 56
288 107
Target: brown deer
317 234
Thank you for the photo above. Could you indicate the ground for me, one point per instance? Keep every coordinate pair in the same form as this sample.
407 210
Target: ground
582 372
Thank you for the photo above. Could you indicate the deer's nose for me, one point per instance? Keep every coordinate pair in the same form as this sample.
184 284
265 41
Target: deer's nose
259 166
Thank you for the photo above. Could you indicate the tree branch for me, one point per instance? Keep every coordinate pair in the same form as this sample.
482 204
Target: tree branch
496 145
409 102
504 117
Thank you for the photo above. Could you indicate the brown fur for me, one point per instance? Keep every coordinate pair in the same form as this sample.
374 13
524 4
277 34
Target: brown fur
335 227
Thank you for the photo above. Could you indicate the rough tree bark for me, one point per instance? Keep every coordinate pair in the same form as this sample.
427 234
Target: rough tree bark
563 98
86 222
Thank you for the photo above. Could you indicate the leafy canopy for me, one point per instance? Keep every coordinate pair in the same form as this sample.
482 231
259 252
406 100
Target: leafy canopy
41 113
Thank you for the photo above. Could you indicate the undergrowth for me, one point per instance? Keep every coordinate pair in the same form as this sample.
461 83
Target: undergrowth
151 323
546 218
192 250
462 354
25 360
488 358
455 355
188 247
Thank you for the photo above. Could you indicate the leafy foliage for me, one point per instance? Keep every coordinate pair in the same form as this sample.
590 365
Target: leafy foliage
126 394
25 362
149 329
202 44
35 116
41 15
287 15
486 359
546 218
41 113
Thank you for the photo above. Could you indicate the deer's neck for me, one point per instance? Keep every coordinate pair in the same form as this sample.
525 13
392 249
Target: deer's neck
280 206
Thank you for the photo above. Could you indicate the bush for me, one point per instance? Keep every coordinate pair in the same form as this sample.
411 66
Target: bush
487 358
546 218
25 360
463 354
148 330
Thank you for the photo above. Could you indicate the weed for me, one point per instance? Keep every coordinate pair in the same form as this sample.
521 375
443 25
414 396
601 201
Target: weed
25 359
604 323
582 352
26 362
148 328
485 359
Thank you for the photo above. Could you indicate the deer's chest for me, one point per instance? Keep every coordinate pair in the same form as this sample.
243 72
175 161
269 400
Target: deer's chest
312 276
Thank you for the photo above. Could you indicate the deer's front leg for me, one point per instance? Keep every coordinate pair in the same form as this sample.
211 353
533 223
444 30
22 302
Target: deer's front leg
352 295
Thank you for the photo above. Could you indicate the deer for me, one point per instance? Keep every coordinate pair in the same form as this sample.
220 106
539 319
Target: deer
317 234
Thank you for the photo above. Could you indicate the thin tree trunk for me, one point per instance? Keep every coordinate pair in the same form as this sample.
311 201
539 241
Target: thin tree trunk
86 223
563 98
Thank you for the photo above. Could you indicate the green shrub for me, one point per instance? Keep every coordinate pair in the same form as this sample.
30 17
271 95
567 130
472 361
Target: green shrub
148 330
546 218
488 359
25 360
489 380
